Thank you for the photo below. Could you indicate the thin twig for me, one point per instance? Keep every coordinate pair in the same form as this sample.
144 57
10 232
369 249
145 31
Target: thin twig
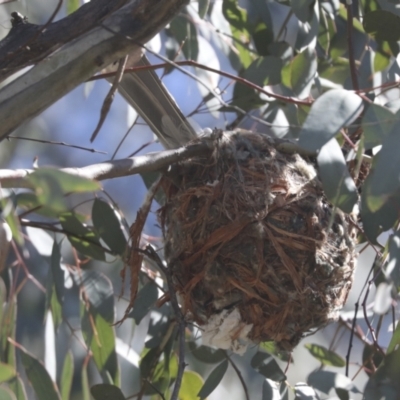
105 108
351 338
151 253
371 329
239 374
56 143
192 63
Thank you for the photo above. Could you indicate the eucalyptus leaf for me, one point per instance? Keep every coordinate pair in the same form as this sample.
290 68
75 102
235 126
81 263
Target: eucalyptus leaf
81 237
203 7
266 365
185 33
303 9
377 123
325 356
6 394
7 372
41 382
104 391
325 381
304 392
382 24
67 375
213 380
144 301
206 354
99 336
338 185
331 112
191 385
385 173
108 226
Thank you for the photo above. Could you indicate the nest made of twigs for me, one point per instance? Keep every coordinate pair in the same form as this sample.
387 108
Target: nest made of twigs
255 249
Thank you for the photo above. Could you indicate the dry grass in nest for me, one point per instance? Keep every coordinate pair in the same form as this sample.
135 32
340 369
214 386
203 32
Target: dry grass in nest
256 250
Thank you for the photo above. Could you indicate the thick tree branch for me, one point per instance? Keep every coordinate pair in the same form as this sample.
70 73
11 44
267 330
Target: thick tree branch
121 33
116 168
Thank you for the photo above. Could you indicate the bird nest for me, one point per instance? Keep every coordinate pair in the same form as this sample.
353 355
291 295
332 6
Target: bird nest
256 251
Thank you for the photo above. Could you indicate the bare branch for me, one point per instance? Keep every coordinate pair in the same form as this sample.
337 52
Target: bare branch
121 33
116 168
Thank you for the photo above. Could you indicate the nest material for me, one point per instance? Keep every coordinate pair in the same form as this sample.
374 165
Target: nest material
254 246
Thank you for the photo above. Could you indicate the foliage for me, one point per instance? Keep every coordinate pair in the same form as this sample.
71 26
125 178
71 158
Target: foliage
326 75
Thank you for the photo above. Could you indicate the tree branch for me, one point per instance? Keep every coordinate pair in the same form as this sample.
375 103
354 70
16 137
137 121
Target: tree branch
116 168
117 34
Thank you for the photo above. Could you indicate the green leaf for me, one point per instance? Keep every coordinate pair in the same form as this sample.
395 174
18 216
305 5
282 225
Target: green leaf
338 185
213 380
17 387
67 375
191 385
237 18
264 71
263 36
72 5
51 186
203 8
185 33
383 25
108 226
321 126
7 329
343 394
42 384
81 237
395 341
98 291
97 317
11 219
99 336
6 372
57 272
302 72
385 383
206 354
85 383
371 358
385 172
375 222
325 356
68 183
272 348
303 9
6 394
144 301
327 380
376 123
266 365
104 391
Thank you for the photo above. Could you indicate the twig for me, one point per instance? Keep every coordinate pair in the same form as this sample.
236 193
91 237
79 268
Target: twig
239 374
151 253
192 63
371 329
351 339
110 96
74 146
